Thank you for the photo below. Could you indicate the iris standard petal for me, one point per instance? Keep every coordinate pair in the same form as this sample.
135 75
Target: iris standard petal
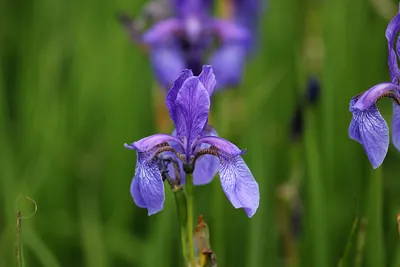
193 103
207 78
167 63
147 187
370 129
162 31
369 98
149 142
173 93
238 183
207 165
228 62
247 13
396 126
391 34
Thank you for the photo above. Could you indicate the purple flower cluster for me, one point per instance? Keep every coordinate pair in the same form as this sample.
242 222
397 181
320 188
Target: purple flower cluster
367 126
192 37
196 146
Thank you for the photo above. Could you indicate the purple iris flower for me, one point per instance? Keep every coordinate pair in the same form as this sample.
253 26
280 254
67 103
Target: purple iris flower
196 146
367 126
185 41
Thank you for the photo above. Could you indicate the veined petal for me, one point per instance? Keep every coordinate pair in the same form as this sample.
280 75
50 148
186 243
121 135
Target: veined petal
396 126
207 165
147 187
221 144
370 129
391 33
207 78
369 98
238 183
228 62
148 143
161 31
193 102
167 63
173 93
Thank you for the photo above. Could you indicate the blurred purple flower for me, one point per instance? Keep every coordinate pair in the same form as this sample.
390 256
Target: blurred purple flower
196 145
184 40
367 126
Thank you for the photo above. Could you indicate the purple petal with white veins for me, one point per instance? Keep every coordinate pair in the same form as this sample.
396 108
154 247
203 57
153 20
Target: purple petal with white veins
207 78
147 187
173 93
221 144
391 33
238 183
193 102
396 126
370 129
207 165
148 143
369 98
162 32
167 63
228 62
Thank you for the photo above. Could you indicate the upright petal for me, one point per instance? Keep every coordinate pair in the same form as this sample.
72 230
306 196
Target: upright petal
147 187
173 93
193 102
162 31
167 63
370 129
207 165
207 78
391 34
247 13
238 183
396 126
228 62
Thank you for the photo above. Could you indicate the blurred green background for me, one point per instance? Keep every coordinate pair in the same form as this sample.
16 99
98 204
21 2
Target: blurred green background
73 90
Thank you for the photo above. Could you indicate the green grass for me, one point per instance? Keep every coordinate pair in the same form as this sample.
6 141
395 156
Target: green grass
73 90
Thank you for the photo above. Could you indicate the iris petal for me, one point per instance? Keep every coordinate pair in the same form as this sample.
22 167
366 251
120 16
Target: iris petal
396 126
167 63
147 187
193 102
238 183
228 62
391 33
370 129
149 142
161 32
207 78
207 165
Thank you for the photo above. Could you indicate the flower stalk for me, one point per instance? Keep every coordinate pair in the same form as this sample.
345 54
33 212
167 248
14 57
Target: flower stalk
181 206
189 195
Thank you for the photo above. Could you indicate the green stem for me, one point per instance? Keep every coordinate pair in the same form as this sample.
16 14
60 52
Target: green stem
20 252
374 242
181 206
189 195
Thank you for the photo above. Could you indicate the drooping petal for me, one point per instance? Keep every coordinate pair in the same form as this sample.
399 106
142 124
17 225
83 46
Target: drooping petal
193 102
149 142
207 165
369 98
238 183
391 34
370 129
207 78
228 32
167 63
162 32
221 144
228 62
147 187
396 126
173 93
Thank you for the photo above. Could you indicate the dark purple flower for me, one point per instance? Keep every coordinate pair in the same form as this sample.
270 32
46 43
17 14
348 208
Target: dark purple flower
196 145
184 41
367 126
